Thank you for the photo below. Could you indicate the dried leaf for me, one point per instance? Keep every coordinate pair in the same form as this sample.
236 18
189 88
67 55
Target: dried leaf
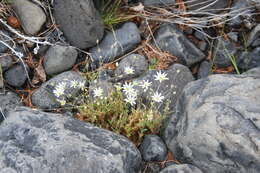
39 75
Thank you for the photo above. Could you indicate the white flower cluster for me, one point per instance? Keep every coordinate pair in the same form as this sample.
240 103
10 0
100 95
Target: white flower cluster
59 90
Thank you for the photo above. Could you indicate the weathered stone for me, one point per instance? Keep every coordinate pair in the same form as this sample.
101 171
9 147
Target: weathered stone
216 124
16 75
70 82
170 39
153 149
158 2
253 71
80 22
248 60
183 168
5 37
31 15
254 37
178 76
5 62
233 36
204 70
115 44
134 61
59 58
8 102
39 142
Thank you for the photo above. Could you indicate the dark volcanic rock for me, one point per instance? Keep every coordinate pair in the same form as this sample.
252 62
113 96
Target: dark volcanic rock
248 60
216 124
32 141
153 149
115 44
16 75
184 168
169 38
8 102
59 58
66 86
80 22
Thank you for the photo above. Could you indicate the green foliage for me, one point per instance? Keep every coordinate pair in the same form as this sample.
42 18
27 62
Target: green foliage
114 114
111 13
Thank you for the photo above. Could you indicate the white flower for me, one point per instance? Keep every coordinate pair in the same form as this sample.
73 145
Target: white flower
145 85
161 76
131 99
81 85
74 84
118 86
128 89
59 89
157 97
62 102
98 92
129 70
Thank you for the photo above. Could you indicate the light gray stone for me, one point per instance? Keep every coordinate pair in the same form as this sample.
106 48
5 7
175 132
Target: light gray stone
254 37
59 58
115 44
31 15
249 60
216 124
79 21
182 168
32 141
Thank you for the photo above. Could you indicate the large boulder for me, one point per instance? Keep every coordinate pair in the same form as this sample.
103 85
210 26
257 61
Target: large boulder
216 124
80 22
37 142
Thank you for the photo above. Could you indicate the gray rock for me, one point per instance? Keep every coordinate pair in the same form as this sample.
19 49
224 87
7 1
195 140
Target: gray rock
158 2
239 12
248 60
153 148
16 75
216 124
5 37
45 98
212 6
223 51
169 38
183 168
204 70
202 45
134 61
254 37
8 102
151 167
253 71
178 76
6 61
233 36
31 15
80 22
200 35
59 58
115 44
37 142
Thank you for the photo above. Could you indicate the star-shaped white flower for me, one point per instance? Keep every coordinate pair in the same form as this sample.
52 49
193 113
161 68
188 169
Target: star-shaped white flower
98 92
81 85
157 97
131 100
129 70
128 89
161 76
59 89
74 84
145 84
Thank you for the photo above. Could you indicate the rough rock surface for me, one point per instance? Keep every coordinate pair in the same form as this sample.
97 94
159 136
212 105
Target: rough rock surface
153 149
184 168
249 60
204 70
45 98
37 142
80 22
16 75
4 37
178 76
59 58
169 38
31 15
134 61
216 124
254 37
5 62
158 2
115 44
8 102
